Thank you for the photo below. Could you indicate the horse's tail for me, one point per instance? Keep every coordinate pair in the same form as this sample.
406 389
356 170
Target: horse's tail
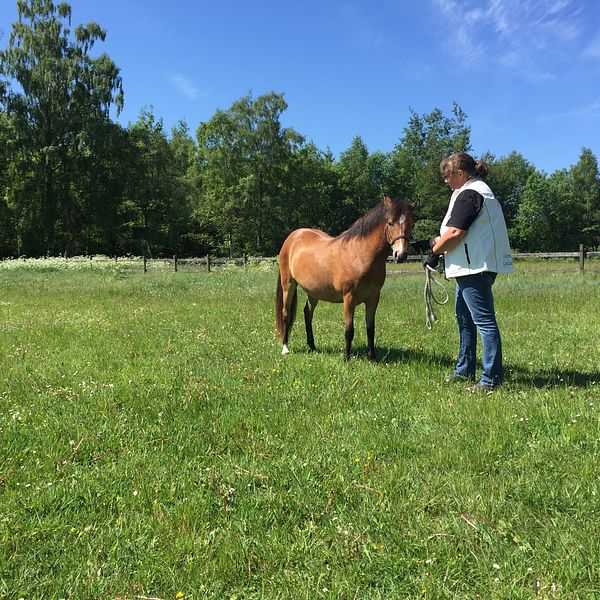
279 307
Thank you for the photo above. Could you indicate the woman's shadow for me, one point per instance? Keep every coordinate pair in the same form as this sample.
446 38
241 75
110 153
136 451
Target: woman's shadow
514 373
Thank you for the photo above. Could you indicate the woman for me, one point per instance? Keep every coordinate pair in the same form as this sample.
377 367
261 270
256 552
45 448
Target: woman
474 241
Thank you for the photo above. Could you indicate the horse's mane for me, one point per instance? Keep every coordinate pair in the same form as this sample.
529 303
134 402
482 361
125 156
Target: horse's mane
366 224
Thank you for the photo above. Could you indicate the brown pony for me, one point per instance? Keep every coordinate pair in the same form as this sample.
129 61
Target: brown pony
349 268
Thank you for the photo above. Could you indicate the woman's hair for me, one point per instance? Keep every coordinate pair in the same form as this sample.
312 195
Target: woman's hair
463 162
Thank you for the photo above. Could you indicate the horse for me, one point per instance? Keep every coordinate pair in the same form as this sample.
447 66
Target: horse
348 269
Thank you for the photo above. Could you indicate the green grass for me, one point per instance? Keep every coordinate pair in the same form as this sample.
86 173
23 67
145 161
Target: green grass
154 442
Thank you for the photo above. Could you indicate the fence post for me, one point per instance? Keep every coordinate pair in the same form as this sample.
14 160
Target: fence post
208 262
581 258
145 265
175 262
245 260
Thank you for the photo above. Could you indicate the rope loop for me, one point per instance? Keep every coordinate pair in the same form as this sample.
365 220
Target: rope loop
430 298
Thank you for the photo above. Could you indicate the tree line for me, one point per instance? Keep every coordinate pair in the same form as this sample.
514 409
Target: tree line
75 181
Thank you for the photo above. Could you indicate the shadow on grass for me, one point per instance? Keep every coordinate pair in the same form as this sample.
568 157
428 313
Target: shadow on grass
385 355
514 374
550 379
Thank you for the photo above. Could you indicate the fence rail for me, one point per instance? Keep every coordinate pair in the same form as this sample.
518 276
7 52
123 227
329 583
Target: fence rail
206 263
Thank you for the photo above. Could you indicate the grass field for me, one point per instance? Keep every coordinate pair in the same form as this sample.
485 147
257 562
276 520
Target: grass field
154 443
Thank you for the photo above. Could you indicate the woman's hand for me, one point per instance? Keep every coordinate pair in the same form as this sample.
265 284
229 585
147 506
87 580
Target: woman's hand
424 246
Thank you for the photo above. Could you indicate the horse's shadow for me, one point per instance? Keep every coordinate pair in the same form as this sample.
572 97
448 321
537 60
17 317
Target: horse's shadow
514 374
386 355
403 355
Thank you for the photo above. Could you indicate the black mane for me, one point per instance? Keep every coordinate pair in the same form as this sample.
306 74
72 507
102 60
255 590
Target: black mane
366 224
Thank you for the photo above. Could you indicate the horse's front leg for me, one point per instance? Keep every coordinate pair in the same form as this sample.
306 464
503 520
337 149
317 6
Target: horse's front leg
370 309
309 310
349 307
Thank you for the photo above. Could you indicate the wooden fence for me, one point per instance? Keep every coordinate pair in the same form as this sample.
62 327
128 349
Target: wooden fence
208 262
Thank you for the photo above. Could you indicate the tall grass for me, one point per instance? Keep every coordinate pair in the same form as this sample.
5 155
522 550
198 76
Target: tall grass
155 443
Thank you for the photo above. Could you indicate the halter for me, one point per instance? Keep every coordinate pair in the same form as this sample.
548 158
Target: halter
400 237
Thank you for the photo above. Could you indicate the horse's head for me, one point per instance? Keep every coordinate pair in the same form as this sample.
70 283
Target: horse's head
399 222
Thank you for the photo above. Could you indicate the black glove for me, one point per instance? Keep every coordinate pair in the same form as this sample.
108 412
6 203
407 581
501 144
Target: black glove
424 246
431 261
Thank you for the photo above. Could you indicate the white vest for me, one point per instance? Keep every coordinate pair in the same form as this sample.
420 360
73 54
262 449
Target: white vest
486 246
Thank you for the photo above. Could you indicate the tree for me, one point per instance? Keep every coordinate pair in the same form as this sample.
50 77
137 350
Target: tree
414 171
564 208
151 181
98 191
534 224
7 242
507 178
61 97
183 232
586 187
359 182
244 156
313 191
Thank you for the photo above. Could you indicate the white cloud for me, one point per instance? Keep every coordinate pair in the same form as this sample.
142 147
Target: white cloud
181 83
588 112
593 48
523 35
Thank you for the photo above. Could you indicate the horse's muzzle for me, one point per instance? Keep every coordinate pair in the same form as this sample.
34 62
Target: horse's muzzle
399 256
400 248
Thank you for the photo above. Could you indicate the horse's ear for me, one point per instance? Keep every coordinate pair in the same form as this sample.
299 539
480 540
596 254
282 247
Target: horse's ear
387 201
415 204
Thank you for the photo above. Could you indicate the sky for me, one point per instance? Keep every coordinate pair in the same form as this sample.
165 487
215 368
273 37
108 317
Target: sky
525 72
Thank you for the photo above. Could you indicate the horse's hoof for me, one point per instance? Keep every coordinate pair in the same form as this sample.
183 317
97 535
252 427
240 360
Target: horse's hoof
285 350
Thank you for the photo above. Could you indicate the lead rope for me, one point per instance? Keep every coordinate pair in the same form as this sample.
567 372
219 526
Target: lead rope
430 298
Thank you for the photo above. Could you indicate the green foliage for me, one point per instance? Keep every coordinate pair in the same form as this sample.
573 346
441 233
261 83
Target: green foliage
565 210
155 193
415 162
61 103
507 177
74 182
426 228
551 213
586 188
359 182
244 155
533 230
313 193
6 225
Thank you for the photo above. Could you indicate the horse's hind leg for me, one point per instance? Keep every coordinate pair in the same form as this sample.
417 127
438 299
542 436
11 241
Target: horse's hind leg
309 309
290 294
370 308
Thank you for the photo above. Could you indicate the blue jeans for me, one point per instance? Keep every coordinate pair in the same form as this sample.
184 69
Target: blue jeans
475 311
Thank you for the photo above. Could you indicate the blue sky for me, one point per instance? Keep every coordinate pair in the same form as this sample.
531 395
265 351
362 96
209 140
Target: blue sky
526 72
